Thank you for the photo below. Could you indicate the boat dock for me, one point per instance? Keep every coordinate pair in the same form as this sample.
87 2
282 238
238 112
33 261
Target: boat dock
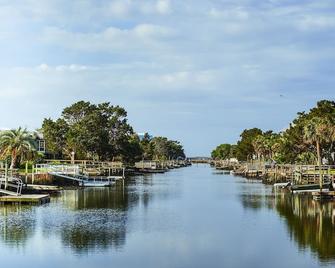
37 199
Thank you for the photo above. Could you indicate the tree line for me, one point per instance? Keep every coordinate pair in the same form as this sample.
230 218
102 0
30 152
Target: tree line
309 139
88 131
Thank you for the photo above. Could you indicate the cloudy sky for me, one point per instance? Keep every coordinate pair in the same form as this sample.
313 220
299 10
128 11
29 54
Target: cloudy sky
199 71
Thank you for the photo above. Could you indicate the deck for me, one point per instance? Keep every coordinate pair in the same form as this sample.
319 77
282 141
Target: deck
25 199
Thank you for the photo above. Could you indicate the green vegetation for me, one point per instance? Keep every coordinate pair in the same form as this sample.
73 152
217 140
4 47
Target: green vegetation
224 151
161 148
17 145
86 131
90 131
309 139
102 132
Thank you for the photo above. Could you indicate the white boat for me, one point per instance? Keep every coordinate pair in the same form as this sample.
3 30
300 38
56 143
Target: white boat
97 183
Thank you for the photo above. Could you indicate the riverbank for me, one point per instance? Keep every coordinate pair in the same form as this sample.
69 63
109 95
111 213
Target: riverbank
50 177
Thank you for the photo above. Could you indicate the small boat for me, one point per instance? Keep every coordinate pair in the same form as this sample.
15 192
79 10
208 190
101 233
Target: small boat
98 182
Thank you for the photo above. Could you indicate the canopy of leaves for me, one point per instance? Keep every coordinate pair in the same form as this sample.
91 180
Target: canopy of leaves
297 144
161 148
16 144
224 151
92 131
245 149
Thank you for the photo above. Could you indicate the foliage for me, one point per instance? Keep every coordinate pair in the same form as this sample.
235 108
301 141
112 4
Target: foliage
161 148
224 151
245 149
18 144
92 131
310 136
102 132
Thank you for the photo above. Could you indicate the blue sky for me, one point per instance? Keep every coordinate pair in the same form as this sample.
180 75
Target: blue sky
196 71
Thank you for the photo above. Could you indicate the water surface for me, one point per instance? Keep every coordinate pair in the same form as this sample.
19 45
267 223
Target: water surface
190 217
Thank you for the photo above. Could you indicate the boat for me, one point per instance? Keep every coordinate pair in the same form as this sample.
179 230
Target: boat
97 183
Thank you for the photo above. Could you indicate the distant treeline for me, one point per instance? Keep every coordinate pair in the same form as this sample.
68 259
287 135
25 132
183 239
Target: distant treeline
102 132
309 139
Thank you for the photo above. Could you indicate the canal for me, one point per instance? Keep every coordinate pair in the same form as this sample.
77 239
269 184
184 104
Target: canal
189 217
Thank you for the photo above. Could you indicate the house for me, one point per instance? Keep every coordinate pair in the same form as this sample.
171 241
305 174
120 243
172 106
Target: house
39 142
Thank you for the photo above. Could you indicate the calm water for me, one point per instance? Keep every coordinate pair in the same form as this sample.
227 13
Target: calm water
191 217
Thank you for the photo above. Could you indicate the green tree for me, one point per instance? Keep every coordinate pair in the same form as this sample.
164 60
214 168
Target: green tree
245 149
92 131
309 132
16 143
313 134
259 144
165 149
222 152
147 147
54 132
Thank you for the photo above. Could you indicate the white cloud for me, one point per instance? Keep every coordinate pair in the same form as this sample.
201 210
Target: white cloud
120 8
43 67
203 80
316 22
62 68
163 6
144 36
236 13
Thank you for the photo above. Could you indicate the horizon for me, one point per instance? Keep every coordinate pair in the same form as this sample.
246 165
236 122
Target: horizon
196 72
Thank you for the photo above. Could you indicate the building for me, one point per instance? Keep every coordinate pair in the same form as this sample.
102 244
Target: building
38 140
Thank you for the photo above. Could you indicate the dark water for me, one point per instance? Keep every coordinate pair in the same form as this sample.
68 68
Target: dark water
191 217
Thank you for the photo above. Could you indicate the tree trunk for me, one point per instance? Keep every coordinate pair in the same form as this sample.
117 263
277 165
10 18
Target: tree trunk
318 151
13 162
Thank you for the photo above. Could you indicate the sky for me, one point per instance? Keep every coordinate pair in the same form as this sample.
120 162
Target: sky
199 71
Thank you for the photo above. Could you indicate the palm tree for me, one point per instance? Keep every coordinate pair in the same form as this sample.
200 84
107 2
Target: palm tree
16 143
328 131
259 146
314 133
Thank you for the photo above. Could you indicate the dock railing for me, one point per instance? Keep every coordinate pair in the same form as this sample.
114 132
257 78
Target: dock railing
61 169
15 183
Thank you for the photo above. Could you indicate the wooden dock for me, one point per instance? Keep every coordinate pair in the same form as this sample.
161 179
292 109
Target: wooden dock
41 187
37 199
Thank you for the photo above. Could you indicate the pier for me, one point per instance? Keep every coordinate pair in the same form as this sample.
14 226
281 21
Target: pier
85 173
295 178
25 199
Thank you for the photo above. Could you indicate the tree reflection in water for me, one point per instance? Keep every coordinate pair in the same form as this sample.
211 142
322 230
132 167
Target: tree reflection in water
97 219
17 224
311 223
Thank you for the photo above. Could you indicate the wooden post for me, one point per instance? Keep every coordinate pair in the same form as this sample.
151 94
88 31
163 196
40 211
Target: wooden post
6 175
319 164
33 175
72 158
26 172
